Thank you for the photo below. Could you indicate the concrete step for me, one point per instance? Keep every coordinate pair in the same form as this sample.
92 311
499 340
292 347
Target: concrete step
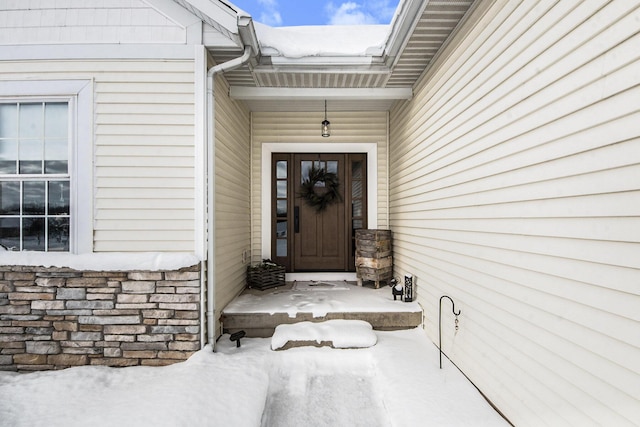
263 324
258 312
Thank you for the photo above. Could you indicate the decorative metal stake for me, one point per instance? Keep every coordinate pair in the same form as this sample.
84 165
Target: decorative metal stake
453 308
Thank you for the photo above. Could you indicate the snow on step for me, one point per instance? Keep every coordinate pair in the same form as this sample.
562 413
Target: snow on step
337 333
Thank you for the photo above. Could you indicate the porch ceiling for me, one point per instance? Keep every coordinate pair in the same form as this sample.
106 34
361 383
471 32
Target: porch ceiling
420 29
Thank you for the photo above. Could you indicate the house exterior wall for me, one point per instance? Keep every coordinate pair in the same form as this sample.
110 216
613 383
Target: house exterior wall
143 148
233 194
304 128
514 190
88 21
54 318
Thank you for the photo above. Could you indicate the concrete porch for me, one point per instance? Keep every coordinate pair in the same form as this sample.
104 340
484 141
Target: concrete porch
259 312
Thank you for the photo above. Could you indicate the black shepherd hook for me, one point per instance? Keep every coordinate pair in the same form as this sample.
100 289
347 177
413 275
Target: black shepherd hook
453 308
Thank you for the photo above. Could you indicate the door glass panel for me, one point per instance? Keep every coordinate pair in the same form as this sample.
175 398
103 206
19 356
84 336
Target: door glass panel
305 167
357 208
356 170
356 189
332 166
281 228
281 169
281 247
281 189
281 208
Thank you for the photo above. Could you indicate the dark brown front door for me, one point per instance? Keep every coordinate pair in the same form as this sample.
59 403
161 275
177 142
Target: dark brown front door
319 238
309 238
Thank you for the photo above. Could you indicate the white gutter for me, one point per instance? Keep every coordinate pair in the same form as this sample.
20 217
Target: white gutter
211 158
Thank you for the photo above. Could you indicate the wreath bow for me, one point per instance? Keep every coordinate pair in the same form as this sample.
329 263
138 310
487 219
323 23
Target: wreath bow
320 200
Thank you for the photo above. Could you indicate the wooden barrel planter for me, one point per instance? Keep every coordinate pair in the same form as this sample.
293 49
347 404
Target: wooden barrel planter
374 260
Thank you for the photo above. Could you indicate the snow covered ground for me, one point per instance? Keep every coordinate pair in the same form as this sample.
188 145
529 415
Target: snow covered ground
395 382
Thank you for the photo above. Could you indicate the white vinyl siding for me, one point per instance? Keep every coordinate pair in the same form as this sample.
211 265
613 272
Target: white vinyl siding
515 190
304 128
233 194
143 181
87 21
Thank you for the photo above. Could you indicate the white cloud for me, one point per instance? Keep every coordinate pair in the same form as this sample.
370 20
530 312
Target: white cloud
270 15
271 18
362 13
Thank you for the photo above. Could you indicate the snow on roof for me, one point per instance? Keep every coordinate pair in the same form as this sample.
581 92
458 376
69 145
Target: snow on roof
325 40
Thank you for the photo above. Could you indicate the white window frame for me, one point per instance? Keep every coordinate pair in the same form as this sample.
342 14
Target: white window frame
78 93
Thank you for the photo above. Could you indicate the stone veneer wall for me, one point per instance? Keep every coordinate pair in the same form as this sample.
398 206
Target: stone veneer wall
53 318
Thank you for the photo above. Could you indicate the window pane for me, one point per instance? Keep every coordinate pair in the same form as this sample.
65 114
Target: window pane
281 208
10 198
281 229
55 155
31 121
58 198
281 169
31 156
356 170
33 234
8 120
10 233
33 198
356 189
55 120
357 224
305 167
58 234
8 156
281 189
332 167
356 206
281 247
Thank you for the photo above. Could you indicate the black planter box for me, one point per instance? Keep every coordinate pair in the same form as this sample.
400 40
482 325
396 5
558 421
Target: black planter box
265 276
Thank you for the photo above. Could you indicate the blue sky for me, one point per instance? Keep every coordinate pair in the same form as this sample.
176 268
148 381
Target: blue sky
278 13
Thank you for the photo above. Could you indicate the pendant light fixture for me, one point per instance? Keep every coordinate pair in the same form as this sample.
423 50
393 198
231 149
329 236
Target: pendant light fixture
326 130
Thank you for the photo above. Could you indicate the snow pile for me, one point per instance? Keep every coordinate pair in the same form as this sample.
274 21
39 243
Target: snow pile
208 389
143 261
339 333
322 40
396 382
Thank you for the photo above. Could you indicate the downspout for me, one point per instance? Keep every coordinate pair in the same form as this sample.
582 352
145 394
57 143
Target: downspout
211 158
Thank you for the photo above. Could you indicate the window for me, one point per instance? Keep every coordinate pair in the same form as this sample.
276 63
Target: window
34 175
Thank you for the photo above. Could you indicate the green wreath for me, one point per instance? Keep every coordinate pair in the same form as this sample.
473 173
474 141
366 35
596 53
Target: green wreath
320 201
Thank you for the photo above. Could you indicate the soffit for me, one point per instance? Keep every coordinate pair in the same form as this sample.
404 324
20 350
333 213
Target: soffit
419 36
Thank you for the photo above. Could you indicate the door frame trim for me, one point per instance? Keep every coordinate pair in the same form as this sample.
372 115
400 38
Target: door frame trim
268 148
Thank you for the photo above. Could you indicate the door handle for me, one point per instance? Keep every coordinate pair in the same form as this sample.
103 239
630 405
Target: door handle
296 219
